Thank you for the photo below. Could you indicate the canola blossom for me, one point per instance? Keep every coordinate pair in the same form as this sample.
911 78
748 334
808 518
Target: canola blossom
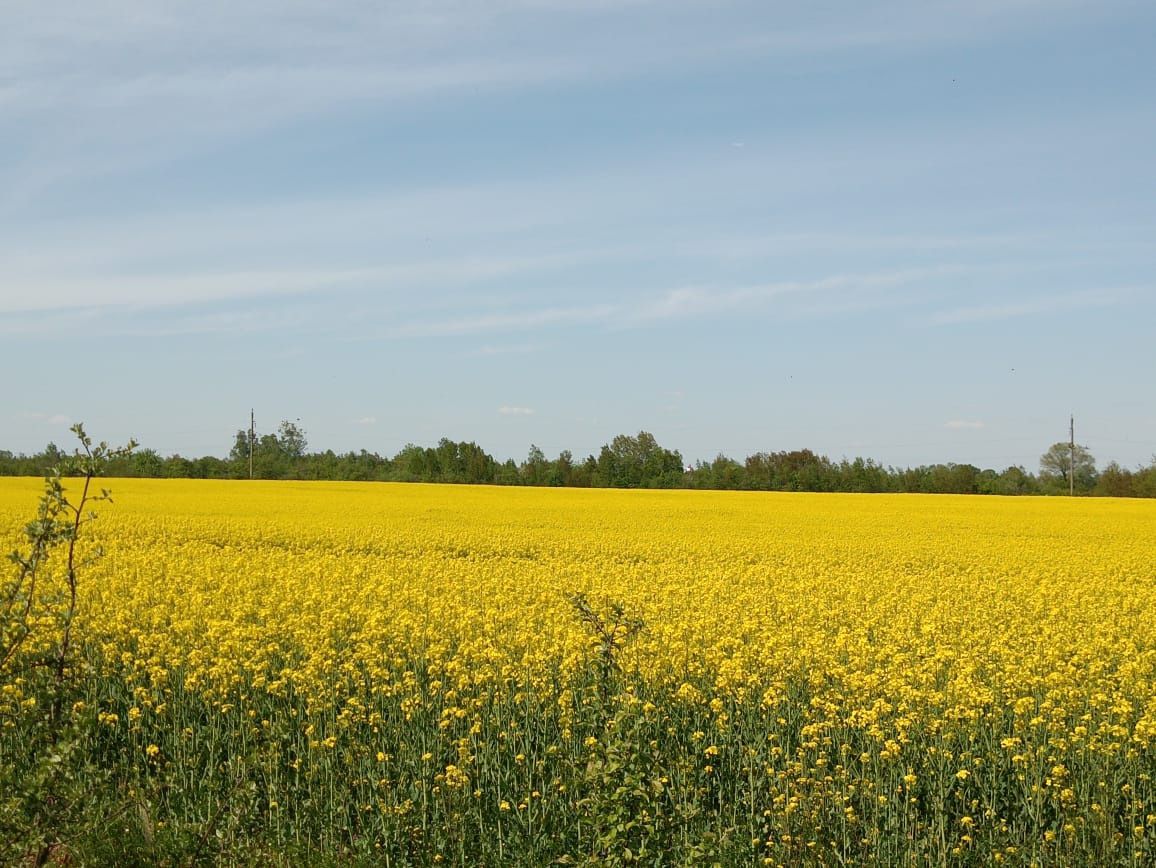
400 670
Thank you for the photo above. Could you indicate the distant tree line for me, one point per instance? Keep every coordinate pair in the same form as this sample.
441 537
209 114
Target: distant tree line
627 461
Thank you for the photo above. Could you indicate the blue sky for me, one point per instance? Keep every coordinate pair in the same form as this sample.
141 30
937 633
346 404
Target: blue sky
915 231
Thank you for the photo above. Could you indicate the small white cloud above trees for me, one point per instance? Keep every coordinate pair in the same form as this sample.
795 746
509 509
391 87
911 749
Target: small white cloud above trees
48 418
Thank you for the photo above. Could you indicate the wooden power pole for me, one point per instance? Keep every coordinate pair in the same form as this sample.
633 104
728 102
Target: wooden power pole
252 437
1072 455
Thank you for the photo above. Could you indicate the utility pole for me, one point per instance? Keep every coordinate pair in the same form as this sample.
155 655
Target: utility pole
252 437
1072 455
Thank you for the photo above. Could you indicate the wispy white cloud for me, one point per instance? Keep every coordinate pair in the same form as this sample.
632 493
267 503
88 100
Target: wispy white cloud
131 322
55 419
159 290
637 309
1040 306
195 303
508 349
172 82
506 321
181 55
454 234
692 301
366 420
741 246
165 79
158 259
963 424
516 411
30 292
903 22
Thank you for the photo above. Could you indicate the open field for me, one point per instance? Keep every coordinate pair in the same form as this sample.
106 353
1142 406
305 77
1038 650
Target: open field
397 673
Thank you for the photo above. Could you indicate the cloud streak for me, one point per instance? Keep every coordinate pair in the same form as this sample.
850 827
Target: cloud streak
55 419
638 309
168 79
1042 306
694 301
305 300
523 320
28 293
963 425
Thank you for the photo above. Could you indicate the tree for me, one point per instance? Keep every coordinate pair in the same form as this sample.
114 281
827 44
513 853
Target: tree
239 454
1014 480
275 456
638 462
727 474
862 475
480 466
1056 468
507 473
413 464
144 462
1115 481
535 466
291 439
1144 480
561 471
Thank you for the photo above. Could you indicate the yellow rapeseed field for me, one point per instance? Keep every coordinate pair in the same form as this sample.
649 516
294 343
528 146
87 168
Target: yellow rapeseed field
863 677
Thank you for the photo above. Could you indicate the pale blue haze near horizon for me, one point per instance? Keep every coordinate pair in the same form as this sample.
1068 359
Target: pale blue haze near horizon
911 231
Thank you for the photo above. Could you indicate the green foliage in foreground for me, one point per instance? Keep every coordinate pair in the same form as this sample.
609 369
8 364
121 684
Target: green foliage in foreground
613 772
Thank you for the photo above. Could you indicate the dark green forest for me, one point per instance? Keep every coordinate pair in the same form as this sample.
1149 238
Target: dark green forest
627 461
